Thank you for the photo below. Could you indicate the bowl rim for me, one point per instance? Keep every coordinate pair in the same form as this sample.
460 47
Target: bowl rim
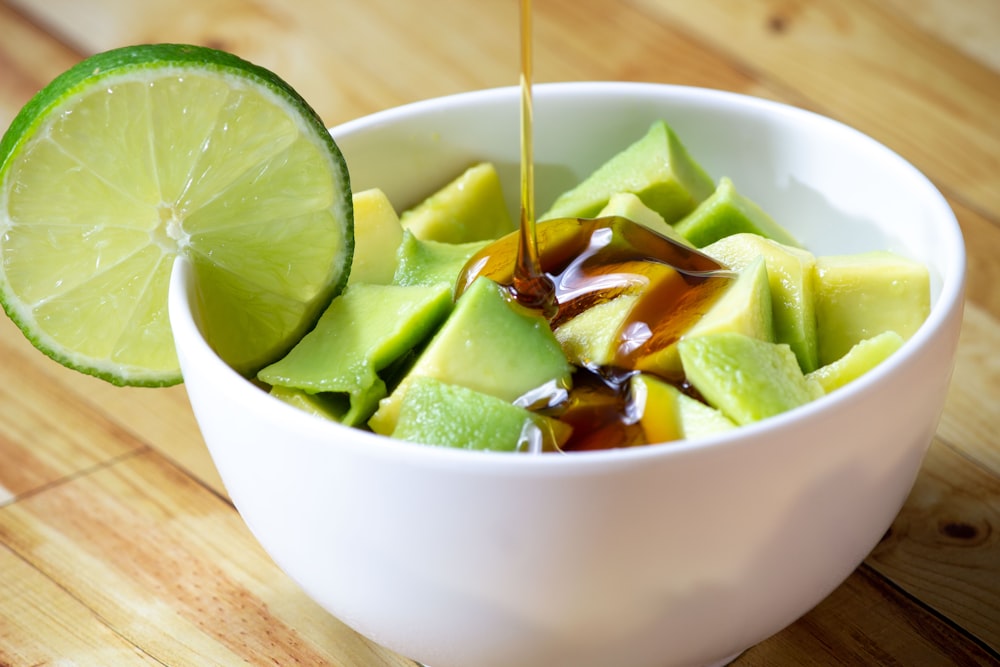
949 299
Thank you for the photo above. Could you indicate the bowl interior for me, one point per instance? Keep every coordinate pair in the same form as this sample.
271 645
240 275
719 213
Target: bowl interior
836 189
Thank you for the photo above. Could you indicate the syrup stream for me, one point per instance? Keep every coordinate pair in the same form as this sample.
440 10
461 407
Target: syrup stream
531 287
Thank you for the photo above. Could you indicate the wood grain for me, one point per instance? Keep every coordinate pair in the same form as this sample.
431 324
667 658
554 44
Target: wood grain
867 65
117 542
839 632
170 567
971 417
42 622
971 29
944 546
47 434
29 58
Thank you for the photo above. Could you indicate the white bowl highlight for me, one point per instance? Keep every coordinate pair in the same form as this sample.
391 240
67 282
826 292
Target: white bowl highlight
676 554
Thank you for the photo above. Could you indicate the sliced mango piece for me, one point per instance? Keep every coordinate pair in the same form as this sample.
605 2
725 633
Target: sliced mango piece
727 212
469 208
656 168
860 359
790 275
377 235
862 295
438 413
745 378
364 330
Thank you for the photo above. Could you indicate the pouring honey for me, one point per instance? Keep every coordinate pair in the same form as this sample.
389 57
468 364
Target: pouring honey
562 267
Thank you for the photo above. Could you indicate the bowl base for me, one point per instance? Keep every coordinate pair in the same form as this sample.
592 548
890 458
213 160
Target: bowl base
720 663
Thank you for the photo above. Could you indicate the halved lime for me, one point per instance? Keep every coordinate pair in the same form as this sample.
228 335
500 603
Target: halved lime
139 154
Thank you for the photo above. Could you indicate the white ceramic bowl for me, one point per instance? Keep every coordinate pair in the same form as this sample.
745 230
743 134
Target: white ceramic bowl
676 554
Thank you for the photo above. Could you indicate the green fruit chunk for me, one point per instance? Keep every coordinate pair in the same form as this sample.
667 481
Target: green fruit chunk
470 208
326 405
744 308
860 296
591 339
745 378
488 344
377 236
727 212
432 262
364 330
860 359
665 413
628 205
656 168
790 275
604 334
438 413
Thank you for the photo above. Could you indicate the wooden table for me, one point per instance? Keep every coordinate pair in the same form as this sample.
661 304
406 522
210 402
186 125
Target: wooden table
118 545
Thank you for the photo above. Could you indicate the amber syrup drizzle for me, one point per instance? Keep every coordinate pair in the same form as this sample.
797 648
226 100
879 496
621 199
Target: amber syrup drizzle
562 267
531 287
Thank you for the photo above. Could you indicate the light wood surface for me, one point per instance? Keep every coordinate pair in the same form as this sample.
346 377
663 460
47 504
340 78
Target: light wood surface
118 545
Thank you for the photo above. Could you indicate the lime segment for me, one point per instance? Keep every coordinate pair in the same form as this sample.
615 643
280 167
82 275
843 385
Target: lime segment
141 154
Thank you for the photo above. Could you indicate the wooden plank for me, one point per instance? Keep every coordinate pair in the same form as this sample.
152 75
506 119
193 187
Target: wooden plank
971 418
868 622
100 420
160 418
343 57
982 245
47 434
366 68
171 568
29 58
944 547
865 65
43 624
969 26
631 47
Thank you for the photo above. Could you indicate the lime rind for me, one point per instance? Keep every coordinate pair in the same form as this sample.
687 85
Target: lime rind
261 204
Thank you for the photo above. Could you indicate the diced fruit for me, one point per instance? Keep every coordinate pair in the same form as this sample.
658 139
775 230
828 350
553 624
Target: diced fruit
437 413
488 344
470 208
604 334
325 405
727 212
628 205
656 168
745 378
666 413
432 262
744 308
860 359
860 296
137 155
591 338
364 330
790 275
377 235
